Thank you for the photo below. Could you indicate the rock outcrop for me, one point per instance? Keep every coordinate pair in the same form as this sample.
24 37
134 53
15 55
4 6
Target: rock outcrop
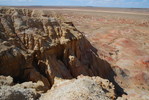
24 91
82 88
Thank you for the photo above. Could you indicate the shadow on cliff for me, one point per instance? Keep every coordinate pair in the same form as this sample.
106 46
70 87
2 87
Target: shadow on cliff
103 69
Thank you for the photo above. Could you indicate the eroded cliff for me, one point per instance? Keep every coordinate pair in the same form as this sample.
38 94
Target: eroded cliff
39 46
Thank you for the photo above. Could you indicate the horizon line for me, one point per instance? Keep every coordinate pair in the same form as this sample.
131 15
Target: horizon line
69 6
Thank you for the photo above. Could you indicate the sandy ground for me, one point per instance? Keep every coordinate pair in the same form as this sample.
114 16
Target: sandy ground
103 11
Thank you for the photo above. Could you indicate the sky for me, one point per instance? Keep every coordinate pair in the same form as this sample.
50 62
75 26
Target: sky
96 3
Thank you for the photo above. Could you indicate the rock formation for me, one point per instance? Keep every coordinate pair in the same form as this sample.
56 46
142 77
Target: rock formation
82 88
24 91
39 46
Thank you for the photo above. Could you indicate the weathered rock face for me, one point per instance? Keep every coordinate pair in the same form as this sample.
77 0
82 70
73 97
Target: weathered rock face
35 46
82 88
24 91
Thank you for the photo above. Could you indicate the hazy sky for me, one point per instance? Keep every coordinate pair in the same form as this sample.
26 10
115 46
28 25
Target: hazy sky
99 3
